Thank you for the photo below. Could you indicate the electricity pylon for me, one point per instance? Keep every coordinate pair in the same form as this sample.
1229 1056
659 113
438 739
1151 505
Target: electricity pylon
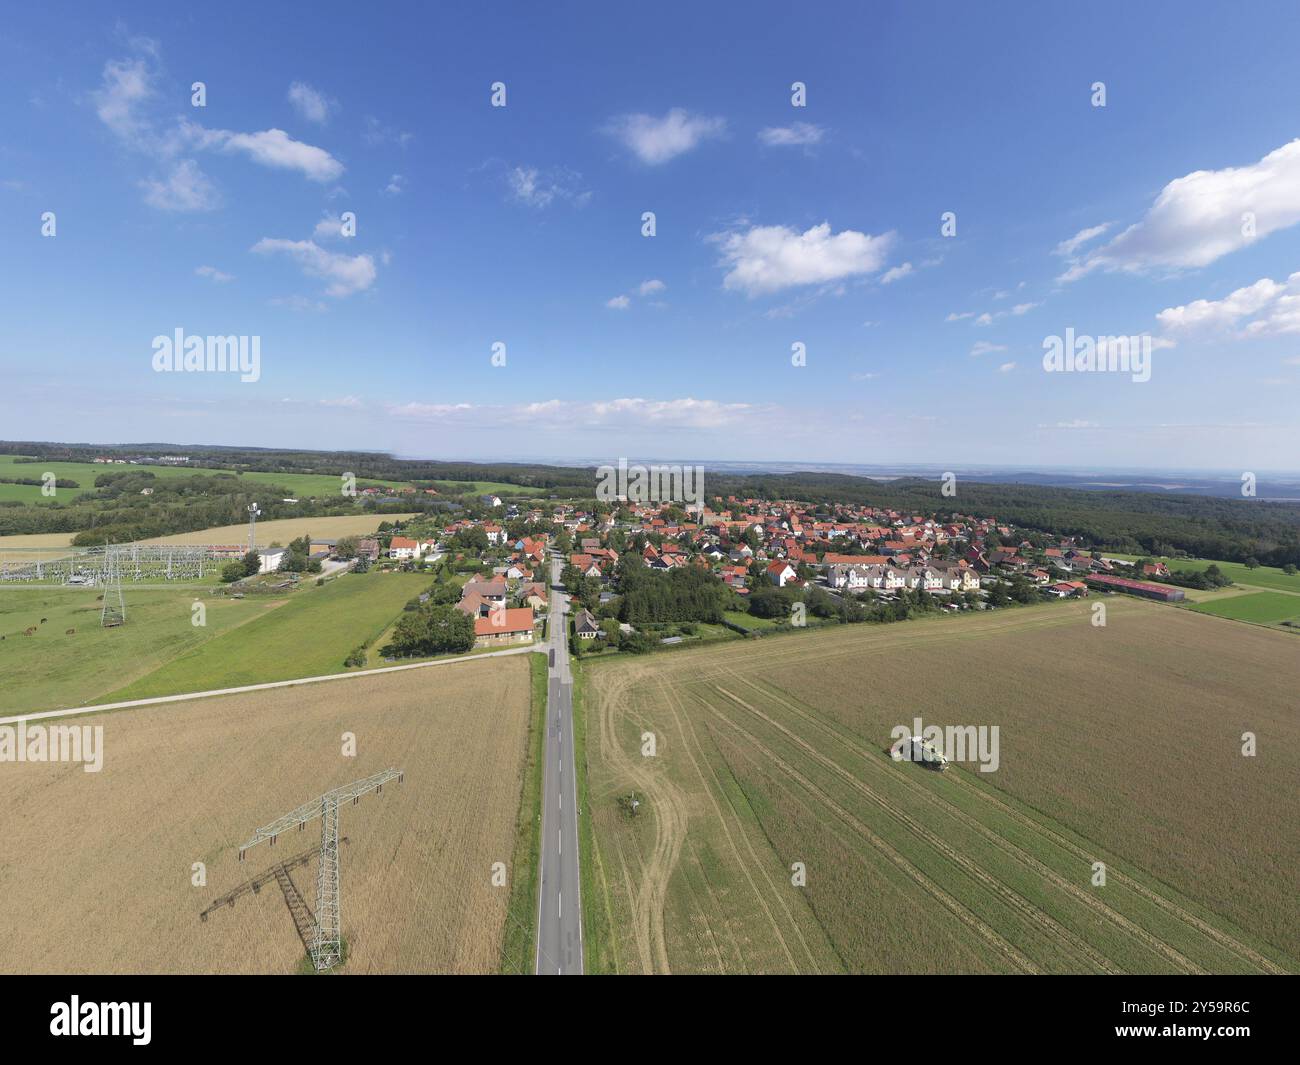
114 612
327 939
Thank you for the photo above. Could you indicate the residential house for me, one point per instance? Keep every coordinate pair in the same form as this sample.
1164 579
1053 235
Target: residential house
780 573
585 626
503 625
403 548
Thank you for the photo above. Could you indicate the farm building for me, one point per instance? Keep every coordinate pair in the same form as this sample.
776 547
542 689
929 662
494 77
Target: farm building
504 625
1163 592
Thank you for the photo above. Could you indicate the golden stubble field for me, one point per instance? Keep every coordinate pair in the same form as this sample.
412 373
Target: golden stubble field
37 546
1120 744
95 869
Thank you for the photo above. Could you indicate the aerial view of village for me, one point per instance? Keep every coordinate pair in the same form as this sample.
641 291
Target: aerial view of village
716 503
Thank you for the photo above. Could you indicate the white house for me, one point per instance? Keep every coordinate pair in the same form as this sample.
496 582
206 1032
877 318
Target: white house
271 557
850 578
403 547
780 573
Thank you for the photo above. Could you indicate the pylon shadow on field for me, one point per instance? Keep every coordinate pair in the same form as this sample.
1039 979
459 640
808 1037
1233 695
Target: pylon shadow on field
304 921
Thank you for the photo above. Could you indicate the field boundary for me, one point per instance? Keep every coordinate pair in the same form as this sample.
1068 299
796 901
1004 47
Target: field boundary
186 696
519 945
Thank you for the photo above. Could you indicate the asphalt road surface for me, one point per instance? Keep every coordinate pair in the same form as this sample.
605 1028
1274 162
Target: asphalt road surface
559 911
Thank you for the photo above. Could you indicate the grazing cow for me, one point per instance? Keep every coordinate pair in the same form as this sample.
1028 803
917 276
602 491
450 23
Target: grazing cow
44 620
30 631
69 632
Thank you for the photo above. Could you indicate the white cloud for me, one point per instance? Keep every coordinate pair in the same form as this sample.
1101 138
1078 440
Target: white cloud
537 188
657 140
126 84
1210 314
1067 248
896 273
623 414
983 347
1024 308
953 316
345 274
651 287
309 103
213 274
1199 217
186 188
769 258
1006 367
270 147
618 303
396 185
799 134
376 133
350 402
984 319
1076 423
329 228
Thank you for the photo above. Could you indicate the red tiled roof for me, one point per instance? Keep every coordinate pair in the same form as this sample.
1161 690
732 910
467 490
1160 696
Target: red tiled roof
519 619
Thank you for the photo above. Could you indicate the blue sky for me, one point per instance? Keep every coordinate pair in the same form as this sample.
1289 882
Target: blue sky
775 225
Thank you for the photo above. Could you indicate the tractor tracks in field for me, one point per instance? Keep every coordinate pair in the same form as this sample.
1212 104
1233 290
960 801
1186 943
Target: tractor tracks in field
675 709
961 912
648 899
1170 907
1025 909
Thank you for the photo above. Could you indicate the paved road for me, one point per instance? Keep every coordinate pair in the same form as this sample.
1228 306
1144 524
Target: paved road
559 912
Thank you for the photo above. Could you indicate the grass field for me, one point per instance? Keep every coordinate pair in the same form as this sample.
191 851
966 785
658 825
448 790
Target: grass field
47 545
51 670
104 883
1260 577
518 952
310 634
299 485
1264 608
749 621
1119 744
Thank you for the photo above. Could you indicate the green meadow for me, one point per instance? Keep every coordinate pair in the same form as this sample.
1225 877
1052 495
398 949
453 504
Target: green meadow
1260 577
52 670
1264 608
311 634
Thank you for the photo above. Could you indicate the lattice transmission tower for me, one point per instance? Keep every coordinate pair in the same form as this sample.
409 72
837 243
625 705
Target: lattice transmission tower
114 612
327 938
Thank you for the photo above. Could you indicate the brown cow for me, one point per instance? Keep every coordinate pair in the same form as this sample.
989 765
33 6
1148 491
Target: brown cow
29 632
69 632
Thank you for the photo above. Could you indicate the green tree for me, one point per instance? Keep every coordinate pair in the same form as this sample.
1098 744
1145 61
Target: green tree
433 628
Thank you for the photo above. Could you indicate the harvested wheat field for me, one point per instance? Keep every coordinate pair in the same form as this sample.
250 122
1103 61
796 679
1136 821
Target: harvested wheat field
1120 745
95 869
